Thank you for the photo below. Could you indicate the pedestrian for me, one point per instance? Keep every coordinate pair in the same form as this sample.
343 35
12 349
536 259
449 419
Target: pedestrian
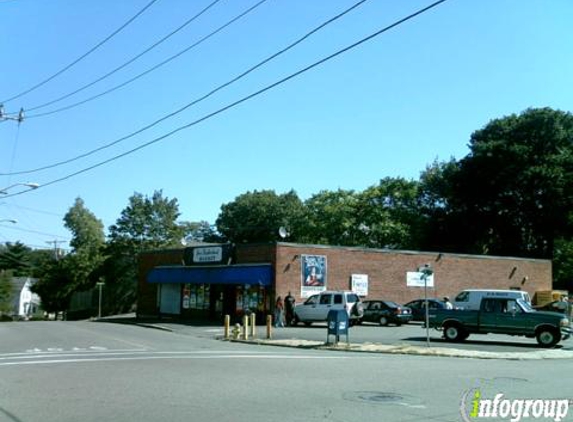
289 309
279 313
447 303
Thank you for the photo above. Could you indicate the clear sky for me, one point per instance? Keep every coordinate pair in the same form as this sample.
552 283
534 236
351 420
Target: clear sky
388 107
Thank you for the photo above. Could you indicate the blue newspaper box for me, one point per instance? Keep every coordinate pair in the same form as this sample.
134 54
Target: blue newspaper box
337 322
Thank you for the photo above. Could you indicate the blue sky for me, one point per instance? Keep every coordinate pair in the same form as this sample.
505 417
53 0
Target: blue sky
389 107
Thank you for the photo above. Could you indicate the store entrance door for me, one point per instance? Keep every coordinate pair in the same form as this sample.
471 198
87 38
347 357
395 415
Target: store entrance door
230 301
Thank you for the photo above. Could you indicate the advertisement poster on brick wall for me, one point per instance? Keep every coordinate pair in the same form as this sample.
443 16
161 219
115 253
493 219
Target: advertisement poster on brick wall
313 277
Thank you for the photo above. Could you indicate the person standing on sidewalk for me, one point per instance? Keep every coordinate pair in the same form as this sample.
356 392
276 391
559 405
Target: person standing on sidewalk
289 309
279 313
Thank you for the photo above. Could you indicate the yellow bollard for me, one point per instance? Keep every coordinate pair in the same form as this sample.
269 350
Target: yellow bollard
246 327
227 326
253 325
269 326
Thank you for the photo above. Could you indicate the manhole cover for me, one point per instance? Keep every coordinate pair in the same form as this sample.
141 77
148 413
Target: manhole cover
383 397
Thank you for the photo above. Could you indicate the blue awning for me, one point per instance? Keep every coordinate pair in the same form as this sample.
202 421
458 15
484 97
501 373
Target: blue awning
260 274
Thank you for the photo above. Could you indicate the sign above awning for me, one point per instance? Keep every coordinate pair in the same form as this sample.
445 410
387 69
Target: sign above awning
258 274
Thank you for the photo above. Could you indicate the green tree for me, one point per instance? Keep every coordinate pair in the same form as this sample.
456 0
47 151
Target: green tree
439 217
513 189
87 244
55 286
16 257
145 224
257 216
200 231
6 292
332 218
389 215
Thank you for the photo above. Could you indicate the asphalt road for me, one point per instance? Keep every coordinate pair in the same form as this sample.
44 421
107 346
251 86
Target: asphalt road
87 371
412 334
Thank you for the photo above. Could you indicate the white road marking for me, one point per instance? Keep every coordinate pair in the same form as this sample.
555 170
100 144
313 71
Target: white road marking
132 358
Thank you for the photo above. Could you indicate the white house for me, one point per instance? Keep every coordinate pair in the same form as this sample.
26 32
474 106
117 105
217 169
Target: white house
25 303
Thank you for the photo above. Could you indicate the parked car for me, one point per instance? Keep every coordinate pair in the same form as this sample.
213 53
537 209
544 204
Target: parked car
385 312
502 316
471 298
316 307
418 307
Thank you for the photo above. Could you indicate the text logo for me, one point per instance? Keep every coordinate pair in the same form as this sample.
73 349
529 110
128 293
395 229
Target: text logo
474 407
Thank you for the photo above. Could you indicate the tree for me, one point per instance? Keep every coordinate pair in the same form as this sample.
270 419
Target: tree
332 218
55 286
389 215
16 257
145 224
513 189
201 231
257 216
440 219
87 244
6 292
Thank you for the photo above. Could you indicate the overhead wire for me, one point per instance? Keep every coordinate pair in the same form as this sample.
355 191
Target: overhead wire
127 63
243 99
200 99
168 60
83 56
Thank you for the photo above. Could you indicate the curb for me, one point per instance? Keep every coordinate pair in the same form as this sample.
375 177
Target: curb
406 349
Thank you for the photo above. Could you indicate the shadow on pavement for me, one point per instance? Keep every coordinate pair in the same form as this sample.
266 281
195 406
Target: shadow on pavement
434 340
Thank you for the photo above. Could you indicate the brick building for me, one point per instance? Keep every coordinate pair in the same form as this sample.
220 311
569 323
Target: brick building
209 281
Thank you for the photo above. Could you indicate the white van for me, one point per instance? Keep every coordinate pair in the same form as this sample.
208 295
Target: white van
471 299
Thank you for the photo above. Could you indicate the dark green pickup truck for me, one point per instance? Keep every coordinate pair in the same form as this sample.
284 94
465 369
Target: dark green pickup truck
502 316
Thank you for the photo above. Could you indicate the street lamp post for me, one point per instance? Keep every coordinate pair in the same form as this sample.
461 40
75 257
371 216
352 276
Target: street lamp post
426 272
9 220
100 285
30 185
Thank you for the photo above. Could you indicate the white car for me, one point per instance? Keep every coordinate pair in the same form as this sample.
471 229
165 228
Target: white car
316 307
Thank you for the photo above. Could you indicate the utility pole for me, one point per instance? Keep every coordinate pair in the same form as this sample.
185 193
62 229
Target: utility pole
3 116
56 242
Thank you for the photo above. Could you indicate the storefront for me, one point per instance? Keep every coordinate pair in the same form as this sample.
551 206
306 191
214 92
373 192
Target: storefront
206 282
209 292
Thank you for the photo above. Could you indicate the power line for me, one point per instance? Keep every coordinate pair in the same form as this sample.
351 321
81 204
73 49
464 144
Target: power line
243 99
83 56
198 100
117 69
32 231
152 69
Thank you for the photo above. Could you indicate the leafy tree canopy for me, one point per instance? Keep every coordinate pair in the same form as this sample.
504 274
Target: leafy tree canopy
257 216
514 186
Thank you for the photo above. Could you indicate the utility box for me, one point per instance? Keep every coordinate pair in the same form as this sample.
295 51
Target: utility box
337 323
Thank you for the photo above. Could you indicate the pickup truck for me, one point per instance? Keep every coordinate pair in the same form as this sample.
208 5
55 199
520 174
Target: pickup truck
502 316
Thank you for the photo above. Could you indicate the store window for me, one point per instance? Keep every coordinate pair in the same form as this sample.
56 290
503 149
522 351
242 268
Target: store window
199 296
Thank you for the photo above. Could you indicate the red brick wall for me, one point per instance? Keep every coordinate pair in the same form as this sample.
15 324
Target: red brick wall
386 271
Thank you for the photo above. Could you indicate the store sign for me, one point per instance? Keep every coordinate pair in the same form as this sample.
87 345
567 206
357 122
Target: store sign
359 284
212 254
416 279
207 255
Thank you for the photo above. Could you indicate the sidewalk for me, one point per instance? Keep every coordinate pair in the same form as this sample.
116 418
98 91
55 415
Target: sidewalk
216 332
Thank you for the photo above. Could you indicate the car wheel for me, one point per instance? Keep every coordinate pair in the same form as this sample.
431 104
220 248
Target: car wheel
453 332
548 337
383 321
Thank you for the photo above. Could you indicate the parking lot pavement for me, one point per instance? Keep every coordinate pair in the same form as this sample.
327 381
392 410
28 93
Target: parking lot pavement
410 338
